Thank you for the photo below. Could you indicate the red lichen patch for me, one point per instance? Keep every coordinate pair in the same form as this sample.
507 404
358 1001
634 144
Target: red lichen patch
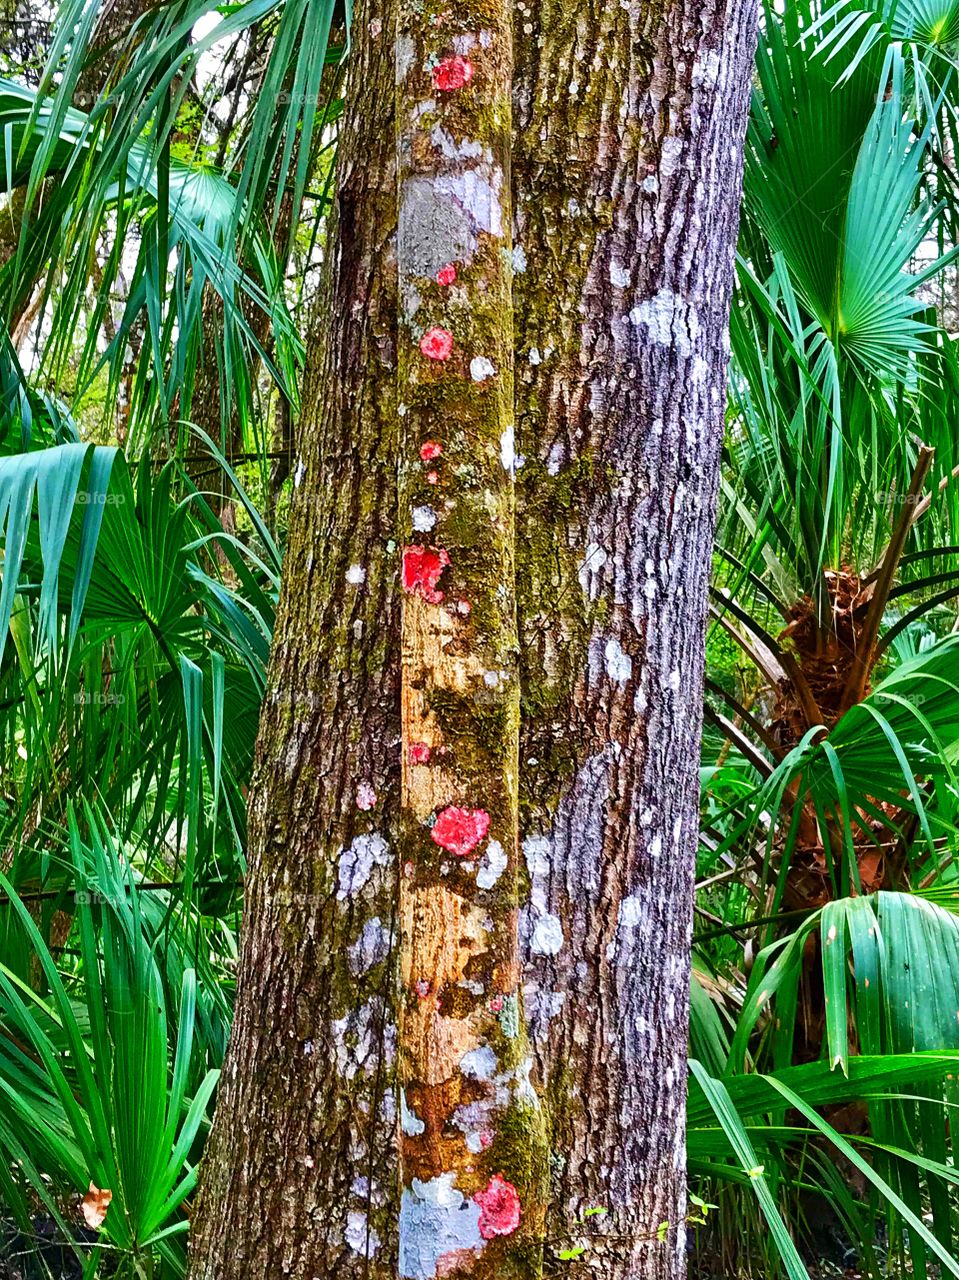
496 1004
430 449
422 987
437 343
452 73
422 567
432 477
459 831
419 753
447 274
499 1208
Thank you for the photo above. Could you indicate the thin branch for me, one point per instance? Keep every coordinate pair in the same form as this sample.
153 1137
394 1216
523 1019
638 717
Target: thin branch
866 651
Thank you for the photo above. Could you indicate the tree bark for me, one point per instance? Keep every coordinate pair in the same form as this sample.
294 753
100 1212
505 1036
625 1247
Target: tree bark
472 1144
627 168
628 145
300 1173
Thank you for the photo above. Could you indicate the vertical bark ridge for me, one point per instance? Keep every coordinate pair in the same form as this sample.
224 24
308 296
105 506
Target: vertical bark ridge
300 1171
629 122
472 1144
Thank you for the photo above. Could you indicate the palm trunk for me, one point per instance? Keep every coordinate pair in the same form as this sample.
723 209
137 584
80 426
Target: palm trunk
629 132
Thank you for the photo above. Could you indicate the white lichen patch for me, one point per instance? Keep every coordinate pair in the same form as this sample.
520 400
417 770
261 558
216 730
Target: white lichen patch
435 1219
630 912
356 575
479 1063
481 369
365 797
547 938
371 947
477 195
706 70
589 571
507 449
669 320
359 1235
424 519
356 862
618 275
492 865
363 1039
619 665
447 145
405 53
671 156
410 1122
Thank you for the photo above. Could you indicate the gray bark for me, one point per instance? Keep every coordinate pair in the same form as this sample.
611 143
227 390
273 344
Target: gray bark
630 121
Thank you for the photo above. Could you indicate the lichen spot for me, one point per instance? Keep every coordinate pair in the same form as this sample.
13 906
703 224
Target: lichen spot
430 449
459 830
479 1064
619 665
499 1208
359 1235
365 797
437 343
492 866
419 753
481 368
547 939
356 575
424 519
422 568
452 73
446 275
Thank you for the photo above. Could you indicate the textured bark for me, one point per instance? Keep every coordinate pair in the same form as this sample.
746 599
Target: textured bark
627 168
628 151
300 1173
472 1144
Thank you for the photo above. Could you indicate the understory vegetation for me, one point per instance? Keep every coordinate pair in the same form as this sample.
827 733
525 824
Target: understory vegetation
165 189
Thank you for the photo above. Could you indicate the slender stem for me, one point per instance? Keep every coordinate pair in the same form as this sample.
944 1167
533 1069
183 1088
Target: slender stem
865 654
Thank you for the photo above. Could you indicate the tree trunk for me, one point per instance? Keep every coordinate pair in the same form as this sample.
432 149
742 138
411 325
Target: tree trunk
627 167
300 1174
629 141
472 1144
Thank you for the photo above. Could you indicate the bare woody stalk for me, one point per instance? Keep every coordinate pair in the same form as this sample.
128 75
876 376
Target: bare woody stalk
472 1143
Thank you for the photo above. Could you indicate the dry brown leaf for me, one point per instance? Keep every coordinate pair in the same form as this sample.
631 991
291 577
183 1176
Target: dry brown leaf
95 1204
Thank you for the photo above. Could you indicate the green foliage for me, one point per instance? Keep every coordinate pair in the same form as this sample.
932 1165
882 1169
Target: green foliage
824 1014
137 605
